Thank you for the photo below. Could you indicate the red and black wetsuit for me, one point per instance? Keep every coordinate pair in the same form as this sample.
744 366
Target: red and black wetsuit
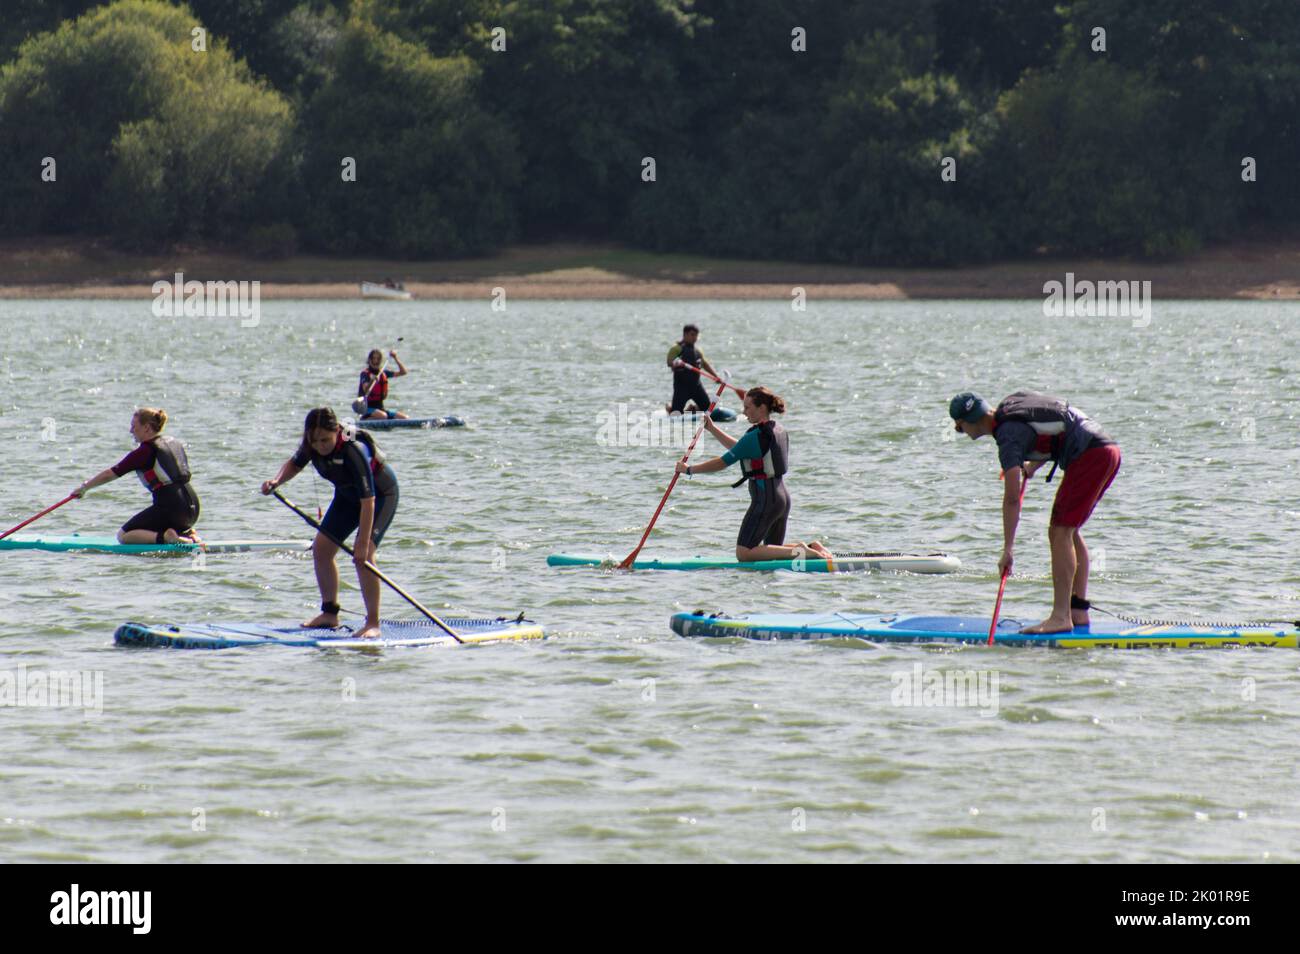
164 468
375 396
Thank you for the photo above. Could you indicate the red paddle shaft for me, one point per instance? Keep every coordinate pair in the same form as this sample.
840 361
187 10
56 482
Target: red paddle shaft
631 557
704 374
1003 585
38 516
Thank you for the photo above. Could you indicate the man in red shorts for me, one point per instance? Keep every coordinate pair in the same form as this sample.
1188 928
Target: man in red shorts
1031 429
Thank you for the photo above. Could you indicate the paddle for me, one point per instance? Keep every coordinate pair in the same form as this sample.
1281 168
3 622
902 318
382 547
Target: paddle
997 608
704 374
373 569
362 404
38 516
631 557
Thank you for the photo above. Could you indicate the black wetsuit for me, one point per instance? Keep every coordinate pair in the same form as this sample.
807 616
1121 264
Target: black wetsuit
687 385
164 468
357 470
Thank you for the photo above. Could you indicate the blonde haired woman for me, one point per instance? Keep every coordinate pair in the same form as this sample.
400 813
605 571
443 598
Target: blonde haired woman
164 468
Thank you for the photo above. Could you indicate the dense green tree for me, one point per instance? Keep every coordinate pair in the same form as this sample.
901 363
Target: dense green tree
20 19
434 170
993 42
112 98
827 152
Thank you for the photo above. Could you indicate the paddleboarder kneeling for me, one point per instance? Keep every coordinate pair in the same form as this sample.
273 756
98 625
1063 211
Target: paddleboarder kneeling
372 390
1032 429
763 451
164 468
365 499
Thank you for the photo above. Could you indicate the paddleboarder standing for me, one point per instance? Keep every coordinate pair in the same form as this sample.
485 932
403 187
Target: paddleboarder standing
763 452
1031 429
687 386
365 499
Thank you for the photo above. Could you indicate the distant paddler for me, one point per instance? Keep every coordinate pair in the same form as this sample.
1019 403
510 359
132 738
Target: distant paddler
1032 429
365 499
687 386
164 468
764 453
372 390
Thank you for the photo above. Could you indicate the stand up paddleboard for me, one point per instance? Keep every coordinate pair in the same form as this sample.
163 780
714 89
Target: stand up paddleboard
110 545
904 628
423 423
843 563
395 633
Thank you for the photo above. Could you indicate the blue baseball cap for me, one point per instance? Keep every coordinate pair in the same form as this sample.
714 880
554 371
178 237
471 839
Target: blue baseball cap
968 406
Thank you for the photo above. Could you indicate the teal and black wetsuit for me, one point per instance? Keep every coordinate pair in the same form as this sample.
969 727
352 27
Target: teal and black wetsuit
763 452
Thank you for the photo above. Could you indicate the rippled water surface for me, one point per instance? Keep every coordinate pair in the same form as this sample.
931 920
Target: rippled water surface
616 740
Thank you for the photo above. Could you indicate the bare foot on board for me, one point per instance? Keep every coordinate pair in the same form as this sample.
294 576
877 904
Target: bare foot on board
1050 625
323 621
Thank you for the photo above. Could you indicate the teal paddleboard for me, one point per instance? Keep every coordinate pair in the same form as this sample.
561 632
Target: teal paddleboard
843 563
76 541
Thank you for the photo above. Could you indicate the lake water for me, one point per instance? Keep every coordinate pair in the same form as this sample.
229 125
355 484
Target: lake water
616 740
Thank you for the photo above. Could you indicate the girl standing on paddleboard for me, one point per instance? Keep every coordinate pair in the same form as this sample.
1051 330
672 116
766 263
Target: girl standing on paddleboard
763 452
164 469
365 499
372 391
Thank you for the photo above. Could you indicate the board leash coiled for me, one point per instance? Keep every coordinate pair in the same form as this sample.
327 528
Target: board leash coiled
1199 623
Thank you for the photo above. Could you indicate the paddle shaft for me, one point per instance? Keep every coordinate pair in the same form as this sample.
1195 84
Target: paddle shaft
631 557
372 568
1002 586
38 516
713 377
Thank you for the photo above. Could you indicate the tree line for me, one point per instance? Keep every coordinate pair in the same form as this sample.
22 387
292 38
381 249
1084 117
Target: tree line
914 132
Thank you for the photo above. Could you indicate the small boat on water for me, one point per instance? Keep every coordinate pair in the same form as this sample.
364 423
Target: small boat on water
396 291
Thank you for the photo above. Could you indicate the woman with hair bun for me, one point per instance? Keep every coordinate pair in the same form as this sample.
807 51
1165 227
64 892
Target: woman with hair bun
164 468
763 452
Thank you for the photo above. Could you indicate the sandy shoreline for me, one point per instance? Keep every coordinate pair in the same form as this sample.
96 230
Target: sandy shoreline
1262 270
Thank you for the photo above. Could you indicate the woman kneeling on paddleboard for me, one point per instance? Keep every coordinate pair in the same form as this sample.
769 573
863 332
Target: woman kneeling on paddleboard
763 452
163 468
372 391
365 499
